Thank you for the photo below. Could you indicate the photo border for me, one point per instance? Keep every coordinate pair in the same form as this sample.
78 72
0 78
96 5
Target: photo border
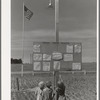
6 50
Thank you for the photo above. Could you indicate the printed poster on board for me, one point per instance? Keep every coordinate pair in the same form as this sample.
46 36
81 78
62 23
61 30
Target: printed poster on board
77 48
46 66
37 57
57 65
46 57
76 66
56 56
69 48
37 66
36 48
68 57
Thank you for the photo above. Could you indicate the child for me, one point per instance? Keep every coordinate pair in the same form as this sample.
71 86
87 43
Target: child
60 91
39 91
48 91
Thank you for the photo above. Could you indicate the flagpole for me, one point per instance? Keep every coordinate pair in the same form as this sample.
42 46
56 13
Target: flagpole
57 20
56 75
23 42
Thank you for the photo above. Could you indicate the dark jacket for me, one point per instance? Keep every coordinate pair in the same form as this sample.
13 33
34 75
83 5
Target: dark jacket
60 91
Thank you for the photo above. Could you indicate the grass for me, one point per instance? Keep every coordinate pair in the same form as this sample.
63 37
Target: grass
78 87
29 67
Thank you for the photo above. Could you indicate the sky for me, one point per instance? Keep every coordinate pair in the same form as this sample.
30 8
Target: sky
77 23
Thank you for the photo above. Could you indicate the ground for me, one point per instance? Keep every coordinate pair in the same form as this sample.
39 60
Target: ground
79 86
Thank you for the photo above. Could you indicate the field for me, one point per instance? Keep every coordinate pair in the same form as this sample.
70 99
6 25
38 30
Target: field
79 86
28 67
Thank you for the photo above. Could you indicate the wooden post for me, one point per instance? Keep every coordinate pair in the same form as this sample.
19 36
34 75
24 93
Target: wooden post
22 70
17 81
56 72
56 77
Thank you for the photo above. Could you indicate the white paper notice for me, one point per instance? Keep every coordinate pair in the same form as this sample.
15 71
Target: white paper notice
37 66
68 57
46 57
57 65
36 48
46 66
37 57
76 66
77 48
69 48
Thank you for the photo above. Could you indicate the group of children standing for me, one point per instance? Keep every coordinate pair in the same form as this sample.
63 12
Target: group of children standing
45 91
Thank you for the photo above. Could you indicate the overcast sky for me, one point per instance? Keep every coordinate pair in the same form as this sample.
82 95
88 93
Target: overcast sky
77 24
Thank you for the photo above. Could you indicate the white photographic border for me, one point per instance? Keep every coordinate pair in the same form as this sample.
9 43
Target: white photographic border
6 49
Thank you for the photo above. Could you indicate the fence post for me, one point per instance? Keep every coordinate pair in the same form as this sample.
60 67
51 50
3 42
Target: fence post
17 83
22 70
56 77
84 72
33 73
